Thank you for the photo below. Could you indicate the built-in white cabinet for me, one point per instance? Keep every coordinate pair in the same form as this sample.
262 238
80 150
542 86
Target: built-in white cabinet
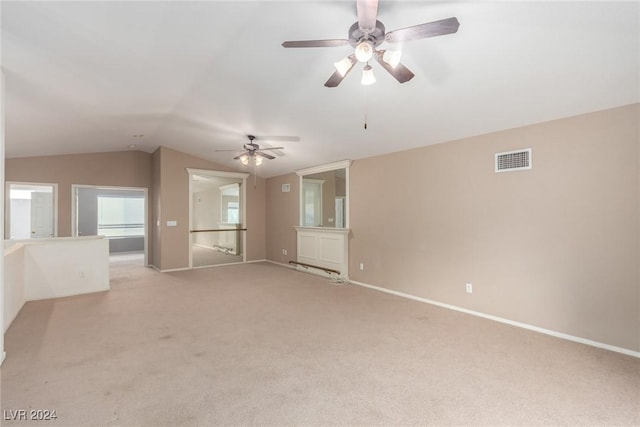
326 248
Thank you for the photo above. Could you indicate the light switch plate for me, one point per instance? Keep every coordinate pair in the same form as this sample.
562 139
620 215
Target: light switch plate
172 223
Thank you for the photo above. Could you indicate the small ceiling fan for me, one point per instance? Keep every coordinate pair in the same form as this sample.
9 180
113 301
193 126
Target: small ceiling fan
253 152
367 34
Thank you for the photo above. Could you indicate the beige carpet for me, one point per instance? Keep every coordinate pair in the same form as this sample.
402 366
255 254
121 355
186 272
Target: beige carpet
261 344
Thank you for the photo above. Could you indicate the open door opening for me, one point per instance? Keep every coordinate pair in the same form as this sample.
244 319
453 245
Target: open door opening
117 213
31 212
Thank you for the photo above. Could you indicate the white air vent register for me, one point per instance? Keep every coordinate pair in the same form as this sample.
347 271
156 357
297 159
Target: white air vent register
513 160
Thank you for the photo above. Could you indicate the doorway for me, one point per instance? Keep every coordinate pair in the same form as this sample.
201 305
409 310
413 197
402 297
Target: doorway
31 210
216 218
118 213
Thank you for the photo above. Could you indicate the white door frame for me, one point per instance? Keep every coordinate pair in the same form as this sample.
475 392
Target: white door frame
219 174
74 207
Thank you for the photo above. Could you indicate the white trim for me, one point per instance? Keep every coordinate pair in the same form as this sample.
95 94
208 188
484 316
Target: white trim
556 334
218 173
342 164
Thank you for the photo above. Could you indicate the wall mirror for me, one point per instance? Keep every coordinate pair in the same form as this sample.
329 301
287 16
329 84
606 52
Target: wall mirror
324 195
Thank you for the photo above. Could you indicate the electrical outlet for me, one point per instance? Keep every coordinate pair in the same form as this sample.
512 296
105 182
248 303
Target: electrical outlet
469 288
362 266
284 252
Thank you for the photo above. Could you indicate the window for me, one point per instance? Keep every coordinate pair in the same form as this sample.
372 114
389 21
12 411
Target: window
120 216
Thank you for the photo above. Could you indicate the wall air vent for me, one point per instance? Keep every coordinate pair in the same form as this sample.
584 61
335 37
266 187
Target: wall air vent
513 160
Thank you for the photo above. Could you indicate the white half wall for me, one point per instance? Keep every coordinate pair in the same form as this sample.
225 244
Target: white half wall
14 294
51 268
4 326
63 267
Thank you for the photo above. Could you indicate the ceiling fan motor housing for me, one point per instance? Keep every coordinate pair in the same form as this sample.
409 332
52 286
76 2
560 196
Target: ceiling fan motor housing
376 37
251 147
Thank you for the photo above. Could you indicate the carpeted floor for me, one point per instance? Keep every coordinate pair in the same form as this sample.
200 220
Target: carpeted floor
260 344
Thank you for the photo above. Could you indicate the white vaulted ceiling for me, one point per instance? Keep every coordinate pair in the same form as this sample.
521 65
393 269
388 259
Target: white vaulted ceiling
197 76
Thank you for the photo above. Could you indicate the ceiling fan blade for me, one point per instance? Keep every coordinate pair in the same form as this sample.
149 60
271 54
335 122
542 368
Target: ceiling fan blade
367 11
316 43
217 151
422 31
401 73
265 155
336 78
238 156
272 148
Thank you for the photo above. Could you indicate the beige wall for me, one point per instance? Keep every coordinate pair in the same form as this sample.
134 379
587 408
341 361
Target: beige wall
172 204
282 214
163 173
118 169
555 247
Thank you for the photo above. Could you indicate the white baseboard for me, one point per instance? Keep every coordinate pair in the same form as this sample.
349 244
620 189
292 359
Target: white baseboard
556 334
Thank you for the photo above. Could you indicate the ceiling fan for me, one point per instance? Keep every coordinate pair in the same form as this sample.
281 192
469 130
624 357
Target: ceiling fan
367 34
253 153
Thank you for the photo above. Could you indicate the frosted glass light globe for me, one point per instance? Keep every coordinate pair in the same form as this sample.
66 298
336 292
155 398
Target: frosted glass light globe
364 51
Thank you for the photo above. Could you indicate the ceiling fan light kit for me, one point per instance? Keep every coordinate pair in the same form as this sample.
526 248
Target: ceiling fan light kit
392 57
343 66
366 34
364 51
367 76
253 153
